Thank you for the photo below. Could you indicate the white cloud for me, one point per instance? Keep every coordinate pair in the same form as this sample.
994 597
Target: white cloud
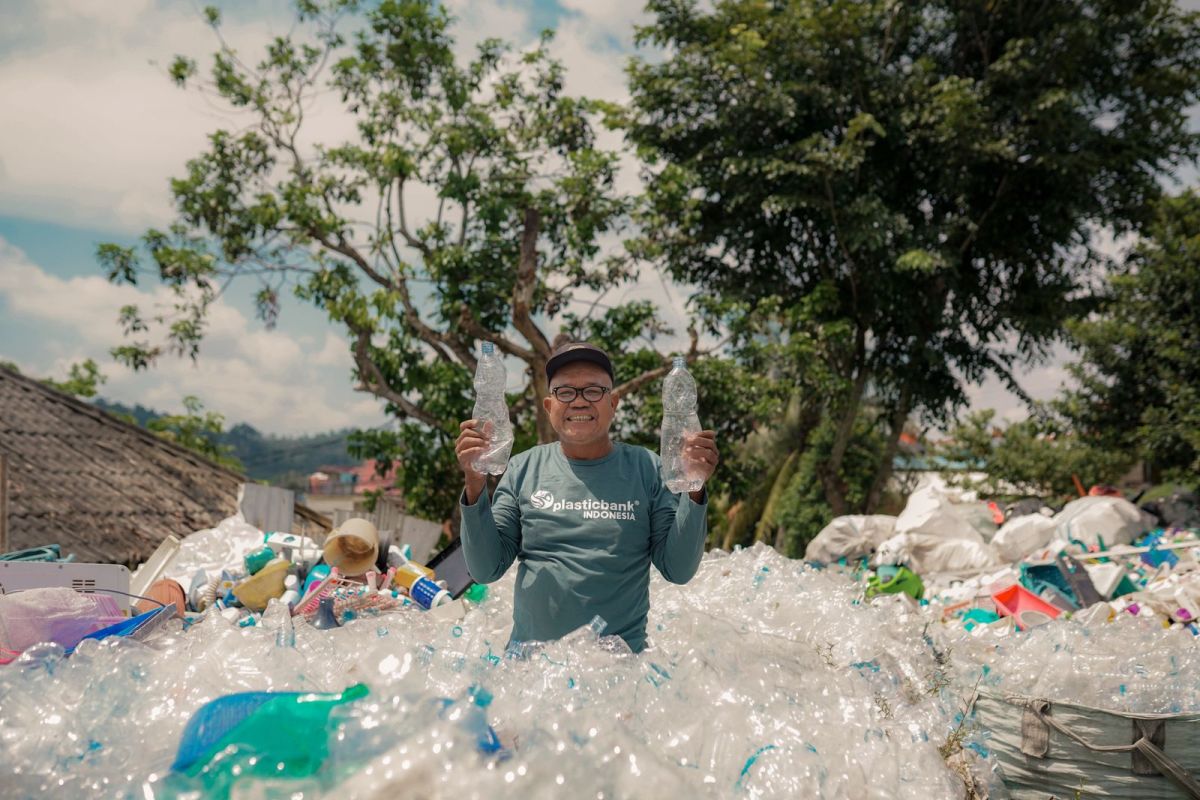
270 379
613 18
476 20
100 127
1041 382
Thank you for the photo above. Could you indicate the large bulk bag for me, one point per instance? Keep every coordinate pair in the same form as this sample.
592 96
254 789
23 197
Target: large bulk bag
1065 750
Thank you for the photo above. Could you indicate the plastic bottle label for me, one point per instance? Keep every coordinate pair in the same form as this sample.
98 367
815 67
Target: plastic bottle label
426 592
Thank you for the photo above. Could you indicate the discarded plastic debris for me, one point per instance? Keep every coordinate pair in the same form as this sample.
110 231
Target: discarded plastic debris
1026 608
255 591
58 615
257 735
892 580
257 559
325 619
702 712
353 547
163 592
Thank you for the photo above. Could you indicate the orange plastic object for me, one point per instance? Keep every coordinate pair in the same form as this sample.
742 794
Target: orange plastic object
1018 602
165 591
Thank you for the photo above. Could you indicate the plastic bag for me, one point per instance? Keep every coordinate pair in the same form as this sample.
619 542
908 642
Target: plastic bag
930 511
1113 519
929 553
850 537
52 615
213 549
1021 536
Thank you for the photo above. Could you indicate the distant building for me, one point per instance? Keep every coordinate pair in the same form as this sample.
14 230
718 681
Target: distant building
341 488
101 488
341 493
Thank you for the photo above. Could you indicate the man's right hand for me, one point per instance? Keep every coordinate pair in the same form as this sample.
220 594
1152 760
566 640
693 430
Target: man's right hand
471 444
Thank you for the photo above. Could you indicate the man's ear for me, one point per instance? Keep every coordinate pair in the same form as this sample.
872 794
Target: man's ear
546 404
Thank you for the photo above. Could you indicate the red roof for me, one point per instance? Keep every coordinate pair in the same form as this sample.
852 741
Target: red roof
365 478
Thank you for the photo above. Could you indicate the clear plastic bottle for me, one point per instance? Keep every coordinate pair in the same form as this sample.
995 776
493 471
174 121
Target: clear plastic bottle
491 411
679 418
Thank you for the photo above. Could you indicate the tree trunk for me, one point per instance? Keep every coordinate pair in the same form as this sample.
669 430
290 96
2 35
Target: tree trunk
883 472
523 308
783 478
853 402
541 389
831 472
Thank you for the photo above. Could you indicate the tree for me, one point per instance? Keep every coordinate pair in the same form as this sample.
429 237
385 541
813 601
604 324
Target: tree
922 180
1042 455
83 380
1138 374
472 204
197 430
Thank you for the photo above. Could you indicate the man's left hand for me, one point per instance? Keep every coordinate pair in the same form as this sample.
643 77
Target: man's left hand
700 449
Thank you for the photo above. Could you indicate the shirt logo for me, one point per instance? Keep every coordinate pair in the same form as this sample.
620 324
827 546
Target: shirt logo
589 509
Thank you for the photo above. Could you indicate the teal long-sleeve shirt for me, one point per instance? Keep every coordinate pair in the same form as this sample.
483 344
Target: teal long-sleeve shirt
585 533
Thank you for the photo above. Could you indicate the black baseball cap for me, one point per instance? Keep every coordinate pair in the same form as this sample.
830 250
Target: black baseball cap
571 352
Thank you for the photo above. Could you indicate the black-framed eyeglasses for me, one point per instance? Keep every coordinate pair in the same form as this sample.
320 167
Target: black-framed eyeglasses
567 394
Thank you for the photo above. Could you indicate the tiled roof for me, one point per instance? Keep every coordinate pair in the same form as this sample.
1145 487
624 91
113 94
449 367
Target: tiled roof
101 488
366 478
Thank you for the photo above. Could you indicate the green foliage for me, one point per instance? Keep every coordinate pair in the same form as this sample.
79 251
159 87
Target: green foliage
804 508
1039 456
83 380
472 203
1139 370
913 185
197 430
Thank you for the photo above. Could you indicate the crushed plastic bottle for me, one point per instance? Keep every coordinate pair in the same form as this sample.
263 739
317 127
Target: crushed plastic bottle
763 678
679 418
239 738
491 411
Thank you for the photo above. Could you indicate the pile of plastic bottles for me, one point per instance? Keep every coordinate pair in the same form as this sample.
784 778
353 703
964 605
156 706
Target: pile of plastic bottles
764 678
1130 663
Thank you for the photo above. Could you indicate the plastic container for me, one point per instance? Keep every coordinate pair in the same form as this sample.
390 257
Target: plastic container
408 573
1026 608
353 547
679 473
428 594
325 617
491 412
257 559
315 575
255 591
240 739
893 580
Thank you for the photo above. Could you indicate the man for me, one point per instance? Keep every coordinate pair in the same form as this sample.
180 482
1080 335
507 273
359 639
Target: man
585 516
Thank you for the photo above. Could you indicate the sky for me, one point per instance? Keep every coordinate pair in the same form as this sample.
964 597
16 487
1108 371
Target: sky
93 132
